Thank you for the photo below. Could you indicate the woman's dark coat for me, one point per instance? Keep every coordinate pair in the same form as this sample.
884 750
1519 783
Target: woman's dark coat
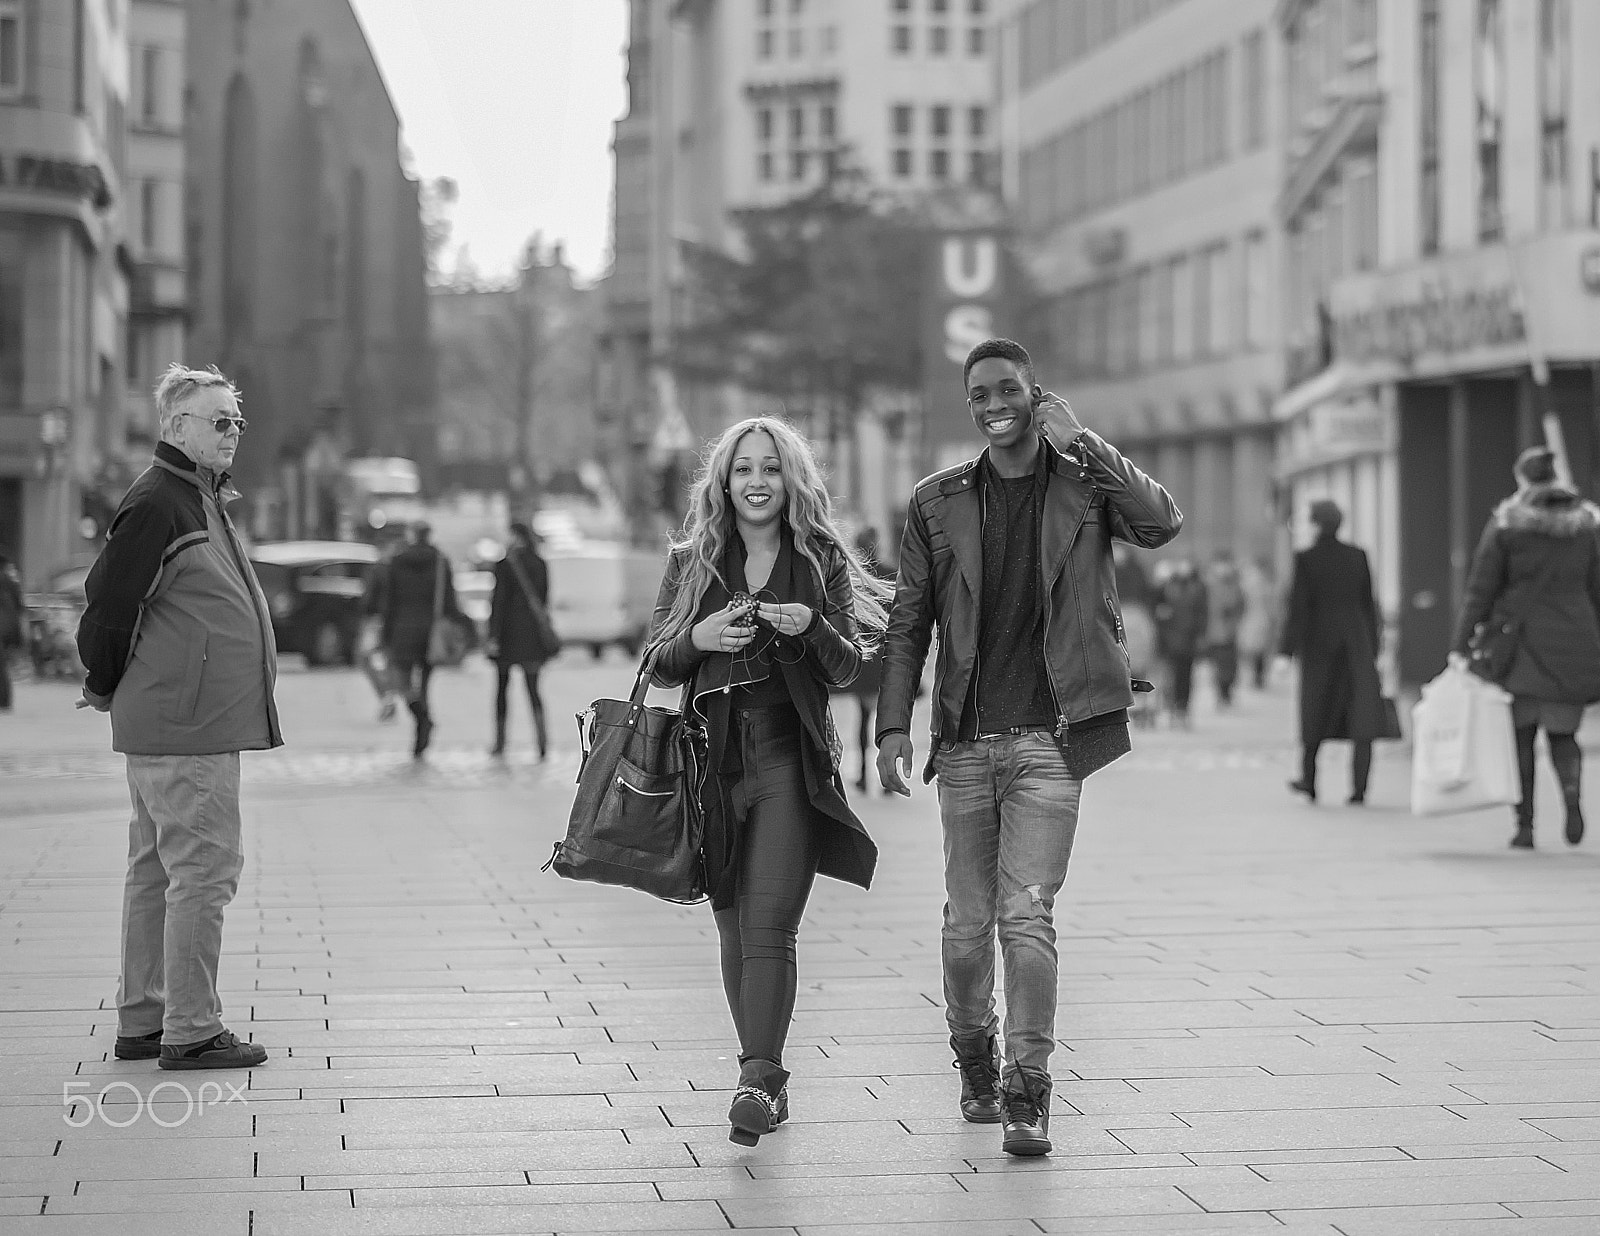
831 659
1332 627
510 618
1541 529
1182 610
410 584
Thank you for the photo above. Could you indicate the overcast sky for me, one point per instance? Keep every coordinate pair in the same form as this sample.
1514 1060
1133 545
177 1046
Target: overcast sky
513 99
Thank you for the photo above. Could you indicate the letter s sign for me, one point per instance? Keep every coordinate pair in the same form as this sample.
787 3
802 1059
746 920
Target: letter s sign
965 327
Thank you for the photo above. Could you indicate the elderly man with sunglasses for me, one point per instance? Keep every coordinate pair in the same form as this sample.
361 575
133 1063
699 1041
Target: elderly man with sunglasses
177 641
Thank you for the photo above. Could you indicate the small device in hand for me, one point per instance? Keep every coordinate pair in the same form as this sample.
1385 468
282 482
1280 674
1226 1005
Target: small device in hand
747 603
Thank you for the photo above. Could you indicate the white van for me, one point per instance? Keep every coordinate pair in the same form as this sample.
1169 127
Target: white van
603 593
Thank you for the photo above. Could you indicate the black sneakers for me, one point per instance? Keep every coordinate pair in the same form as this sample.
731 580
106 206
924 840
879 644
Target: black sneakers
225 1051
1027 1113
978 1058
138 1046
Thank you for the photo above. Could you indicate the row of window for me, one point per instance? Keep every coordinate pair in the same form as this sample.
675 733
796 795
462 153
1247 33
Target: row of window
902 41
941 119
799 165
798 125
1195 306
941 165
767 42
1168 131
1055 33
938 8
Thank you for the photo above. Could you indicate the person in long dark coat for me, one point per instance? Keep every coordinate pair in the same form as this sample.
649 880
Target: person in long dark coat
1332 628
1182 611
11 624
410 598
515 639
1538 562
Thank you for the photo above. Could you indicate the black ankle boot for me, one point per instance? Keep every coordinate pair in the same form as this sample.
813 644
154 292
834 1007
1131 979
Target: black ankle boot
978 1058
1522 839
760 1104
1568 759
499 747
424 730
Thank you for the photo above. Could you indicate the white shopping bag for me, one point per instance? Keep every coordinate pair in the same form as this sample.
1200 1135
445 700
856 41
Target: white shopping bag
1464 754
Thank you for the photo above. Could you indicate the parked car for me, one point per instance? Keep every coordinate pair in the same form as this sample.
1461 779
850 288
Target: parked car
314 590
602 594
50 622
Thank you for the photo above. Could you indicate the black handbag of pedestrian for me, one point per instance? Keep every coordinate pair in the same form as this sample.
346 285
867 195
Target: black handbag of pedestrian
1493 645
636 819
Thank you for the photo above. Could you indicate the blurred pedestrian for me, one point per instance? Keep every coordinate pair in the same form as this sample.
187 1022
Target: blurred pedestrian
1182 612
1332 627
1008 557
374 656
1536 577
417 590
758 615
1260 617
1225 605
177 643
869 550
520 635
10 623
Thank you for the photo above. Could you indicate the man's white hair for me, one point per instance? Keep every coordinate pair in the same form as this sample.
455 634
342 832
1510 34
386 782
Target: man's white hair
179 382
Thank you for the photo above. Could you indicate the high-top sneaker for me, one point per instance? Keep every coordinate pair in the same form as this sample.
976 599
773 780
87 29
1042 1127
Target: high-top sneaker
756 1110
1026 1118
978 1058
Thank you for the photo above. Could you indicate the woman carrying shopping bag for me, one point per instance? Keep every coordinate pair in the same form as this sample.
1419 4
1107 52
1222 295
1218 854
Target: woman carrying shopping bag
1530 621
519 630
758 616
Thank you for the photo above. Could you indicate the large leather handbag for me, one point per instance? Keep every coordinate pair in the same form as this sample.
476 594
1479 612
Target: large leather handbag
636 819
1494 644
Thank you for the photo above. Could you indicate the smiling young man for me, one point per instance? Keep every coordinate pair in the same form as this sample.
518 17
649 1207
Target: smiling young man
1009 555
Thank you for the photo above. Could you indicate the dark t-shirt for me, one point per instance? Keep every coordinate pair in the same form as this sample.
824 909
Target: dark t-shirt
1010 687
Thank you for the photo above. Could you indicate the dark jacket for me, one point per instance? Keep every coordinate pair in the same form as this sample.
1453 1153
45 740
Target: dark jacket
831 659
1182 611
1332 627
1538 560
1092 496
176 632
408 599
10 605
510 617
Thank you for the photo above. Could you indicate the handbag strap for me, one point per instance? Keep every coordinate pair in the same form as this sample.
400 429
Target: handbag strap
524 583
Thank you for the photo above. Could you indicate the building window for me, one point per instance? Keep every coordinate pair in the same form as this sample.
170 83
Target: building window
902 6
799 164
764 44
766 8
1361 180
149 194
939 164
1490 85
80 67
828 121
830 40
797 44
1219 319
978 167
900 119
1253 90
764 124
1555 40
1182 288
977 7
902 163
12 78
975 41
11 302
1428 120
938 40
938 6
977 123
764 165
797 123
1255 310
939 120
900 40
150 85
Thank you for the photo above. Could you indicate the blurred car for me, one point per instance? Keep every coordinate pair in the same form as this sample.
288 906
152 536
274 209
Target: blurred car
602 594
50 622
474 592
314 590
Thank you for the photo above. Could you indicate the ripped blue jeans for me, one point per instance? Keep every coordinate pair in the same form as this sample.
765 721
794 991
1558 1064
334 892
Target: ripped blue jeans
1010 811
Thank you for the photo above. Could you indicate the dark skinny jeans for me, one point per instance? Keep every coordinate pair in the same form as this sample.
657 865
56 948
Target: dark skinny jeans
777 856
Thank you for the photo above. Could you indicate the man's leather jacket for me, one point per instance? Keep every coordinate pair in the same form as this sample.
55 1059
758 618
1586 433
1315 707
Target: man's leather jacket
1093 496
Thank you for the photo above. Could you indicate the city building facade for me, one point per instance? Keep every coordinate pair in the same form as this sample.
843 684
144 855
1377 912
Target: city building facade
63 271
157 305
305 269
1441 202
1141 152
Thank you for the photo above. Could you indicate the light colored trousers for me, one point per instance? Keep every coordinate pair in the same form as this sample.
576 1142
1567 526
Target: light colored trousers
184 860
1010 812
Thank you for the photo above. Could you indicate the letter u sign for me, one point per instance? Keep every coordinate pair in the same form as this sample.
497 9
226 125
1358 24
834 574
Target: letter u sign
970 265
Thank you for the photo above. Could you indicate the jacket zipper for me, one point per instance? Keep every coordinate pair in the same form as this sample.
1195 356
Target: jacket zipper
975 687
247 579
1061 716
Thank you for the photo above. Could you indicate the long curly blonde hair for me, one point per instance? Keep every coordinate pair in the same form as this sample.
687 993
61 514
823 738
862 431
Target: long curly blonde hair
807 510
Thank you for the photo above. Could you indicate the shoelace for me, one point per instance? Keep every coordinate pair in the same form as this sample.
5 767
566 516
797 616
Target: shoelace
979 1074
1023 1106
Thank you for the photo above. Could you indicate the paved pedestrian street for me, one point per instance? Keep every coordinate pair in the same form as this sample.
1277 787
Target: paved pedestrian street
1274 1017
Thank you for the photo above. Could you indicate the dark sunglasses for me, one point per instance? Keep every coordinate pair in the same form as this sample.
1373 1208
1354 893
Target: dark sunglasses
221 423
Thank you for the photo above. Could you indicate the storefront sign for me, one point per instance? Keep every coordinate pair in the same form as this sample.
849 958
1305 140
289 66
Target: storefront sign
1441 318
46 175
1346 426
